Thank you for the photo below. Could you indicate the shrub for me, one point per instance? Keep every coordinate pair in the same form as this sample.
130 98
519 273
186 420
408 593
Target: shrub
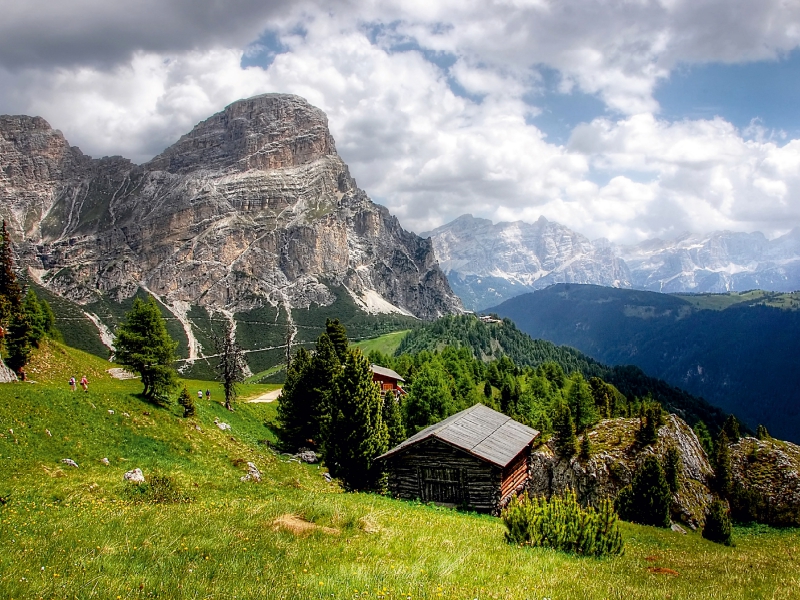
586 447
647 499
562 524
159 489
187 402
717 527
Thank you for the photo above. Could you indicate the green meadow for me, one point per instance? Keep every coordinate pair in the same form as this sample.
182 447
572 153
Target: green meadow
82 532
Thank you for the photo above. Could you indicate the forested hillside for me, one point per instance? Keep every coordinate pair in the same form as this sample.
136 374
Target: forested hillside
489 341
738 351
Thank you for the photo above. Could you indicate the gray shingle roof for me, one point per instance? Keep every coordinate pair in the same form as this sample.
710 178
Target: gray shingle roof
386 372
480 431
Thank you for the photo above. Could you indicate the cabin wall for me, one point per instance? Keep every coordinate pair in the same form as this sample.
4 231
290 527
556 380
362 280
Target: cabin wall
437 472
515 476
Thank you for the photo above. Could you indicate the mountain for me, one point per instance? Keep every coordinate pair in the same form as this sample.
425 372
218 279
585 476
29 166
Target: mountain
738 351
492 340
487 263
251 209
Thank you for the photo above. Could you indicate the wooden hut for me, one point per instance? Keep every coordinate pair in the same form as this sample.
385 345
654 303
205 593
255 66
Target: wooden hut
477 459
388 380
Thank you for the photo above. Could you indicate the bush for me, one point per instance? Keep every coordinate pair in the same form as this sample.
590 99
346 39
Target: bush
647 499
562 524
159 489
717 527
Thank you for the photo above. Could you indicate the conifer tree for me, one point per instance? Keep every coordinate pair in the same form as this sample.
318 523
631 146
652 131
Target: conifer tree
731 429
651 418
565 431
704 437
143 344
429 397
586 447
717 526
325 368
9 285
647 499
293 403
762 433
581 402
356 433
338 335
186 400
231 364
723 481
487 390
672 467
393 418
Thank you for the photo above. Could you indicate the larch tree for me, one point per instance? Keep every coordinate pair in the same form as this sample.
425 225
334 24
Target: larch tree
581 402
231 365
356 433
143 344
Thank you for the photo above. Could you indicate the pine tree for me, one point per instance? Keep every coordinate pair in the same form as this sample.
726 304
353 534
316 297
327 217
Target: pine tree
672 467
731 429
704 437
723 482
293 403
356 433
647 499
586 447
230 365
651 418
338 335
187 402
565 432
717 526
429 397
14 321
487 390
581 402
143 344
393 418
325 368
9 285
762 433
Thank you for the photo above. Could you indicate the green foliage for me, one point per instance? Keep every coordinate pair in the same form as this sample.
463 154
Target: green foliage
717 526
581 402
356 433
429 398
565 431
586 447
338 336
731 429
295 426
647 499
393 418
561 523
762 433
704 436
651 419
158 488
186 400
143 344
672 467
723 478
230 365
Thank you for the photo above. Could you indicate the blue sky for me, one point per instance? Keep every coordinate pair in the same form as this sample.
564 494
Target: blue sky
626 120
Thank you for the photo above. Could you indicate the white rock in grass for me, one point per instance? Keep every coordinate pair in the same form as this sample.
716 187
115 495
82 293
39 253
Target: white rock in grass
135 476
105 461
253 474
223 426
111 412
308 456
70 462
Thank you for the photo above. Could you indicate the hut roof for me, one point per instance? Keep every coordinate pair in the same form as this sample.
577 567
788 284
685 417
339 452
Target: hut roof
386 372
480 431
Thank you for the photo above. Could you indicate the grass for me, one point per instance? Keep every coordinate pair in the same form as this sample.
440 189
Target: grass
67 532
386 344
783 300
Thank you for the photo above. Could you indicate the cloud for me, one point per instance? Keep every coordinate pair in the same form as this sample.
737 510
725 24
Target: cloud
432 103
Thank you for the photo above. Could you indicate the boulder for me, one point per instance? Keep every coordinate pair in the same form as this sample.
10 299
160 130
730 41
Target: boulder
615 457
253 474
6 374
134 476
105 461
308 456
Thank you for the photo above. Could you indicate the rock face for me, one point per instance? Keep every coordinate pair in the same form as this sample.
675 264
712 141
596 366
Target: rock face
766 481
253 206
487 263
6 374
614 459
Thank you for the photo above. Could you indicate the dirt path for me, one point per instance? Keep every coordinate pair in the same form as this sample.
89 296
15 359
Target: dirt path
268 397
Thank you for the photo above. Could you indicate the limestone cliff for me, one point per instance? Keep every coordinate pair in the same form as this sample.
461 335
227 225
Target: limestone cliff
253 206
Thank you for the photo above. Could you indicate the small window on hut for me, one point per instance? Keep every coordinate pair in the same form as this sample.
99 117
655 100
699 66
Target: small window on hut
441 484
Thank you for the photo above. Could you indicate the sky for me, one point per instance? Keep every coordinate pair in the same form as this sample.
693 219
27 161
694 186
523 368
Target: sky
623 119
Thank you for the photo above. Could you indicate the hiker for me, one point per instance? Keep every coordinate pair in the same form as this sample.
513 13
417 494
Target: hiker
208 394
85 383
73 384
200 394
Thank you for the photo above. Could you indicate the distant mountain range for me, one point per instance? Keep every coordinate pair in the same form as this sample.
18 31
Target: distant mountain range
487 263
738 351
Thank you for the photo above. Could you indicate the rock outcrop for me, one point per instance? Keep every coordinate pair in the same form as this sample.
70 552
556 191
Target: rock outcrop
253 206
615 457
766 481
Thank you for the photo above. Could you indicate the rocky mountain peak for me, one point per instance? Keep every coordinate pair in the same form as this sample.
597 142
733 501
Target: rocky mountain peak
270 131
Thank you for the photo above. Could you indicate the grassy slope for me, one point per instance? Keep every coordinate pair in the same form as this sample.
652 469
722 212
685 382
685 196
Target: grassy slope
386 344
223 544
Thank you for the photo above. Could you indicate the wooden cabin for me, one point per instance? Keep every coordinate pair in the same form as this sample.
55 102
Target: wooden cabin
477 459
388 380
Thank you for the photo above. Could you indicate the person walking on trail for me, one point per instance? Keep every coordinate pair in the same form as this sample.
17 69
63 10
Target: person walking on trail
73 384
208 394
85 383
